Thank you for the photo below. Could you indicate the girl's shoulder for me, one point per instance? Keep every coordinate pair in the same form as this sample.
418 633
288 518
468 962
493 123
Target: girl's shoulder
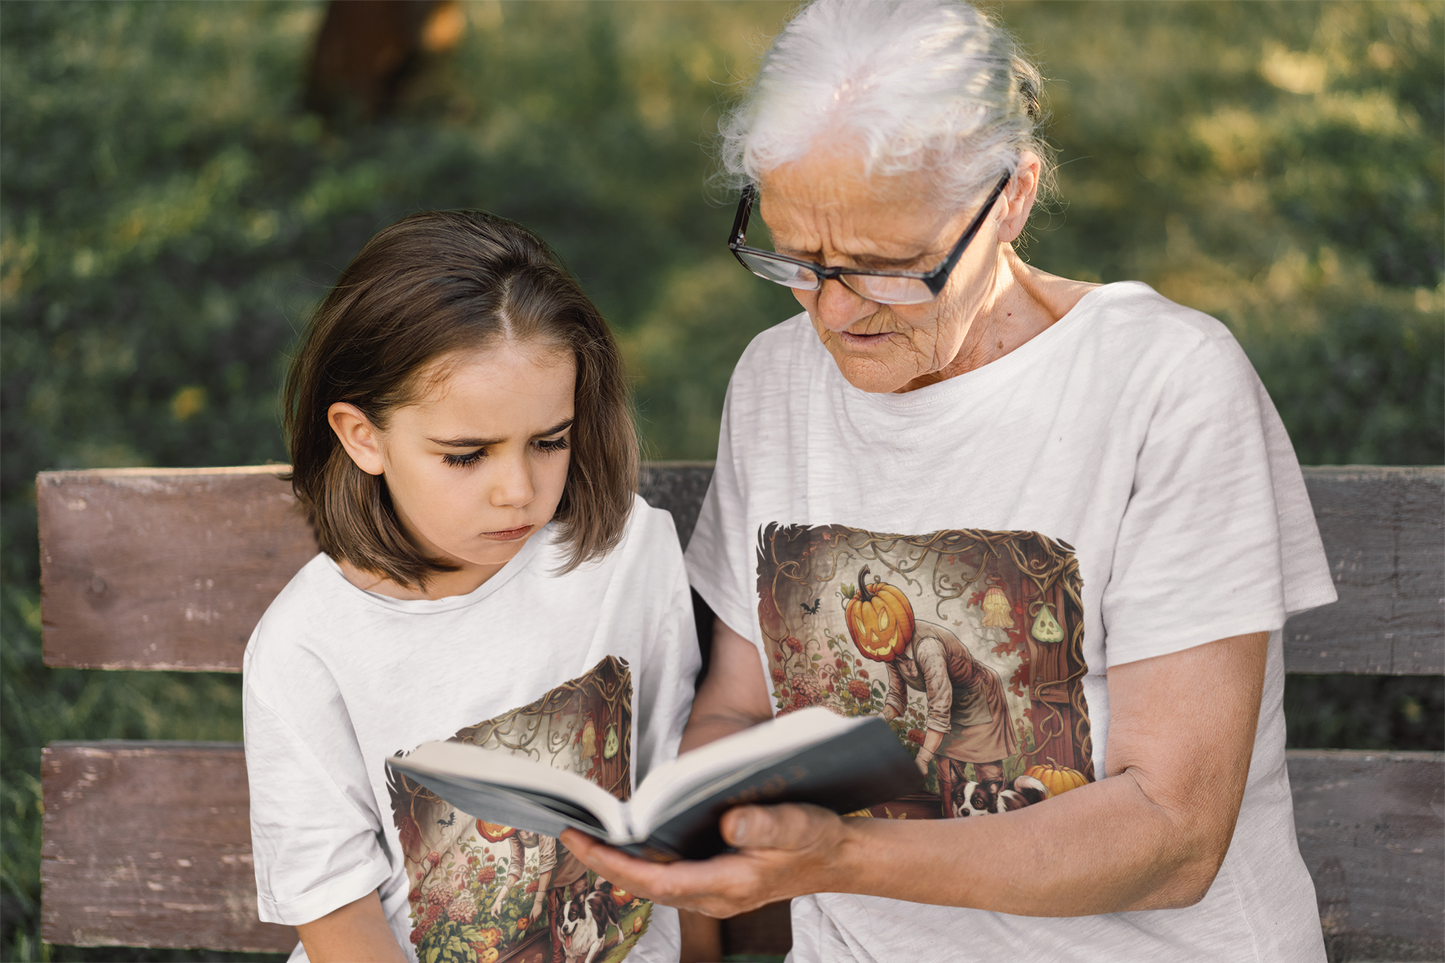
649 540
315 606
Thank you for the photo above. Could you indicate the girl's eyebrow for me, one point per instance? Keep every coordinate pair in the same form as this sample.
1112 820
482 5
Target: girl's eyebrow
487 442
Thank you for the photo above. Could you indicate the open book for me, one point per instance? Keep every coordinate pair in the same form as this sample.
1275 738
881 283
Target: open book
810 756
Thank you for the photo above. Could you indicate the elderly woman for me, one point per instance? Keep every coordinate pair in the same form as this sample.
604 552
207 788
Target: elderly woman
1086 483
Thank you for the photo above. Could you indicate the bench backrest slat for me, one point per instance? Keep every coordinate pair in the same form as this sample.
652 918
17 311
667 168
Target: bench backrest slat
149 844
170 569
1384 533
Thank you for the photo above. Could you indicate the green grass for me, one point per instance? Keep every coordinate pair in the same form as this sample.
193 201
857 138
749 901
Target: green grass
169 215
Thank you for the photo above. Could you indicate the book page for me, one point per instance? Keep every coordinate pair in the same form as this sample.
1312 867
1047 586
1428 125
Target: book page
695 774
468 770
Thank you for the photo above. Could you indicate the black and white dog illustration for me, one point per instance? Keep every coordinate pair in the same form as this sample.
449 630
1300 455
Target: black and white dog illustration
583 920
980 799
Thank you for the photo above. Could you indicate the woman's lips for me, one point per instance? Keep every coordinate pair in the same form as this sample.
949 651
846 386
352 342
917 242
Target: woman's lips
508 534
863 340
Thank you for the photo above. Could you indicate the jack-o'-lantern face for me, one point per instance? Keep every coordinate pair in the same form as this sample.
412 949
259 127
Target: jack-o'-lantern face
494 832
880 619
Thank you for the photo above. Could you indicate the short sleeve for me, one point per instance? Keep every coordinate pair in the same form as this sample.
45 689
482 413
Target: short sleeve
670 654
317 845
1200 549
716 565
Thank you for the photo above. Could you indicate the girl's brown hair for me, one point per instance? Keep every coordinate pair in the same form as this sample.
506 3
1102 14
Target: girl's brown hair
429 285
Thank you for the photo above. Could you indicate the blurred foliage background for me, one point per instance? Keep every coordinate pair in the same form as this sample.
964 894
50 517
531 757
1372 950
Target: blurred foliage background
170 212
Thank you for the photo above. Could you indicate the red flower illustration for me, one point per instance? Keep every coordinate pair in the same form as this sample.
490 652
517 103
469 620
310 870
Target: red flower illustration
793 644
859 689
915 735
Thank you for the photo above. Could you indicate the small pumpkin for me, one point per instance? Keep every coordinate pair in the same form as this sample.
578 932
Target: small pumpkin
621 897
1057 778
494 832
880 619
637 925
489 955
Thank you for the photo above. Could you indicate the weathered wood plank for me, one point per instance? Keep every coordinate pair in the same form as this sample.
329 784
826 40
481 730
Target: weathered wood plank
677 486
1371 829
163 569
149 844
1384 532
172 568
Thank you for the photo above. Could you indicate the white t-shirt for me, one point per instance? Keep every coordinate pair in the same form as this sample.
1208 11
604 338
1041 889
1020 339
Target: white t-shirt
558 667
1117 488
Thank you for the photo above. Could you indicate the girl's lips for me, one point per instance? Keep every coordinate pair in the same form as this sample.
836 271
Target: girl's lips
508 534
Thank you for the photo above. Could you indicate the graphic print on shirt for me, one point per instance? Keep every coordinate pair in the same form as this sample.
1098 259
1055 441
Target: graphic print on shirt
970 644
486 893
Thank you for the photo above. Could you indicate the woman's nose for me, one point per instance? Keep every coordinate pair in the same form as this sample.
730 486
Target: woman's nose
839 306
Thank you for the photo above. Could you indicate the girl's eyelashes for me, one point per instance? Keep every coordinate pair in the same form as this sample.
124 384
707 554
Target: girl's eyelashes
462 461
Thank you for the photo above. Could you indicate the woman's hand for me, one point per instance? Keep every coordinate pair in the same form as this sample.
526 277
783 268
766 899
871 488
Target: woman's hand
783 851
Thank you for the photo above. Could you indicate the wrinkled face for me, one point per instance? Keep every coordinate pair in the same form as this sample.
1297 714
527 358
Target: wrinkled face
822 209
477 464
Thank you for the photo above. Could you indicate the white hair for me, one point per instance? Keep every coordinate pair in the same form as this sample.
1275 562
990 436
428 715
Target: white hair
910 85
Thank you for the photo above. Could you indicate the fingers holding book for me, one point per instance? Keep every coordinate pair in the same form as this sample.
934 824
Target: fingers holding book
781 851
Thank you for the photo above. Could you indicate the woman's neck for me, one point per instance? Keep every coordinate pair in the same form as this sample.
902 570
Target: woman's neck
1022 302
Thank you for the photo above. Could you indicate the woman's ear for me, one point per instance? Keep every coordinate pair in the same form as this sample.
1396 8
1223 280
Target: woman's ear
358 436
1022 190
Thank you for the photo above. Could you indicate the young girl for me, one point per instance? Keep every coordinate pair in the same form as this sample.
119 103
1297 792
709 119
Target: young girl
458 424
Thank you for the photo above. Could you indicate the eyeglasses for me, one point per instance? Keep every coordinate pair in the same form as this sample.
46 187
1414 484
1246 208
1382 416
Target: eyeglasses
884 287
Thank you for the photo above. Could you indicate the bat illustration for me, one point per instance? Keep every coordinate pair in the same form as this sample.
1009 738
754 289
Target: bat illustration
449 821
811 609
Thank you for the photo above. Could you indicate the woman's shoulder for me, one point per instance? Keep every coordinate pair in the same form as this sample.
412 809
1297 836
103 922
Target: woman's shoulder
1134 310
780 347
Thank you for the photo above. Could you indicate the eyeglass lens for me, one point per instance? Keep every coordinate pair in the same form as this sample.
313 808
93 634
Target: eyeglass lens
883 289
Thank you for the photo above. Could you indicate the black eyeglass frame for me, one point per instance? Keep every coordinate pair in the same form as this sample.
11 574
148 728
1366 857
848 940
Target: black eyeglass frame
934 280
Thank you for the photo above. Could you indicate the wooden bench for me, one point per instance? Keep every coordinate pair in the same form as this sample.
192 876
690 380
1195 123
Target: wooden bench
148 843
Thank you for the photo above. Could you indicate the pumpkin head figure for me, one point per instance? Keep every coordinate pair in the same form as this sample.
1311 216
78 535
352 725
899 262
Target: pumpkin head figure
880 620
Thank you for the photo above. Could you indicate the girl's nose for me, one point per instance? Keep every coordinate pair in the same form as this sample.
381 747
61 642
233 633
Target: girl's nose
839 307
512 484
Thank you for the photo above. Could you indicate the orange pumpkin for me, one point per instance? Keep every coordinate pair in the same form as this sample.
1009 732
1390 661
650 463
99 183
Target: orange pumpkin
494 832
1057 778
880 620
621 897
